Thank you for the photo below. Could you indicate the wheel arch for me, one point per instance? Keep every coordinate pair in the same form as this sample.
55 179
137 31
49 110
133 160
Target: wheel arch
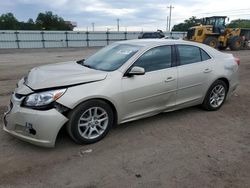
109 102
205 99
224 79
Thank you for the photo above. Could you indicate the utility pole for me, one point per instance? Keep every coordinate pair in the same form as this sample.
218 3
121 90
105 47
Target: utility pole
170 14
167 24
118 24
93 26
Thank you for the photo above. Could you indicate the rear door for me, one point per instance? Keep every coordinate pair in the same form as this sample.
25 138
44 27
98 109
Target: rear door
194 70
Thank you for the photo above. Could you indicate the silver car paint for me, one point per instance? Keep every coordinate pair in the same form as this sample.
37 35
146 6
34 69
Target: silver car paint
132 97
62 74
46 123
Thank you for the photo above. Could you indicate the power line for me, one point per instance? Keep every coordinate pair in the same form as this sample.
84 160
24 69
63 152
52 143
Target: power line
225 11
230 14
93 26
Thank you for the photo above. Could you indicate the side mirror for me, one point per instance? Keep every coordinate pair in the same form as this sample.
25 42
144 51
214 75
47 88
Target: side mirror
136 71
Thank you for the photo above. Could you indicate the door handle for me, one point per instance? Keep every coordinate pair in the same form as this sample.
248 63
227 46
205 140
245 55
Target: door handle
169 79
207 70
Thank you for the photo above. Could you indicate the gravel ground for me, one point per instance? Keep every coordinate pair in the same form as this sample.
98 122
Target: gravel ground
185 148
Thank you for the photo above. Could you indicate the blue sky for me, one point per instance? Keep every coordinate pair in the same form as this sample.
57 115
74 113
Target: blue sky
133 14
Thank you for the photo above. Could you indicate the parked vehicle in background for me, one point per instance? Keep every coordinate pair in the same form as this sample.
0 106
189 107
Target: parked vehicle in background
124 81
214 33
151 35
172 37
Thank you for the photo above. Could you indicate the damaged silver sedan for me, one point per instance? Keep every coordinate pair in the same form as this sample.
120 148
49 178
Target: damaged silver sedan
124 81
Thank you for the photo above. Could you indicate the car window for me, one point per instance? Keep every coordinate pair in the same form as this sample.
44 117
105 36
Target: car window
204 55
189 54
159 35
147 35
154 35
155 59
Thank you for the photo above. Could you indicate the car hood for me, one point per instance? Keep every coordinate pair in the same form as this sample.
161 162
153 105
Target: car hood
62 74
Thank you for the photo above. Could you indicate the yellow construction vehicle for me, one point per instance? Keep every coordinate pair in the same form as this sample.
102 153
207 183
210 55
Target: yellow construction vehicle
214 33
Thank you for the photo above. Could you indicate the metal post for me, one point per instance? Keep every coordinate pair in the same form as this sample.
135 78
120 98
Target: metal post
67 44
43 41
87 38
125 33
107 37
17 40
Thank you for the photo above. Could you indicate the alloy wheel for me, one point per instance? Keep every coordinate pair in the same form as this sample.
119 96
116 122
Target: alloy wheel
217 96
93 122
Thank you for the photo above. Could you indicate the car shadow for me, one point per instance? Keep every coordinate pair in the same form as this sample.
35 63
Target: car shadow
64 141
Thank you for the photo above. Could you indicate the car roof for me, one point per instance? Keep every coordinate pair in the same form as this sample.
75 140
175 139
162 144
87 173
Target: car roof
147 43
153 42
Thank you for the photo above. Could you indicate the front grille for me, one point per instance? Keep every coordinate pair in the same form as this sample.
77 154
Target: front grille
190 33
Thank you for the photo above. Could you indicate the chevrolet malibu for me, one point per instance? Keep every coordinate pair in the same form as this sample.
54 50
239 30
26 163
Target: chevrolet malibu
123 82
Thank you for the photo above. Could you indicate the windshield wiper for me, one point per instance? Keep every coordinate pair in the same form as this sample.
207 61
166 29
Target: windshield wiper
81 62
87 66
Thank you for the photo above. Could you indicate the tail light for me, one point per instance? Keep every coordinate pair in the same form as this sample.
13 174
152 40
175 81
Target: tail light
237 60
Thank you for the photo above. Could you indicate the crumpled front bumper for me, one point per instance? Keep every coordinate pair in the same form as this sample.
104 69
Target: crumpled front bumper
39 127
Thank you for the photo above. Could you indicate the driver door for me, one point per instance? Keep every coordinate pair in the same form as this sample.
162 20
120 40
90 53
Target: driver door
155 90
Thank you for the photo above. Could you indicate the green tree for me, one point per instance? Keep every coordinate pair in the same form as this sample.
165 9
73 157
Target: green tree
49 21
193 21
8 21
240 23
46 21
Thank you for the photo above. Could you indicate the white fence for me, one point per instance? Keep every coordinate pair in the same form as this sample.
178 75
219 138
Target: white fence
62 39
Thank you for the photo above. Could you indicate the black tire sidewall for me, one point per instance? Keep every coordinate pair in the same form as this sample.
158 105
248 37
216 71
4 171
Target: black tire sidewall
206 103
232 43
209 39
74 116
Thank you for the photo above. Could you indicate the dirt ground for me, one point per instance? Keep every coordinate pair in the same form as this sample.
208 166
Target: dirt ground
186 148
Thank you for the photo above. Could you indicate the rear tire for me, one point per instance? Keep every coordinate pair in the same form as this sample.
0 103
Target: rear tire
211 41
90 121
216 96
235 43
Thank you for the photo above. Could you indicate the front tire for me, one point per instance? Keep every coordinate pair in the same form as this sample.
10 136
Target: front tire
216 96
90 121
211 41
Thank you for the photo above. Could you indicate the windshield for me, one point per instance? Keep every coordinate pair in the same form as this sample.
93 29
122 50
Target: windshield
111 57
220 22
215 21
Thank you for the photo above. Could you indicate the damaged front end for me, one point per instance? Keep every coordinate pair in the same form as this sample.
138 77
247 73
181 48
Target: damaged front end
35 118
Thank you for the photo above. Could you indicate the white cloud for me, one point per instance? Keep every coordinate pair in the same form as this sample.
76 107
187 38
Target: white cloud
134 14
